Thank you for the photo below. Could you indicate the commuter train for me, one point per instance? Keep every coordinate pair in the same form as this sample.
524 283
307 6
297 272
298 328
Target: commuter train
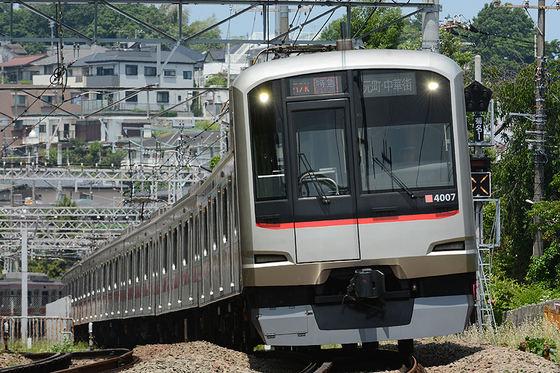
342 215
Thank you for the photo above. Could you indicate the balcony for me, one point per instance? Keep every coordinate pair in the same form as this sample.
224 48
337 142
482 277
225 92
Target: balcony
101 81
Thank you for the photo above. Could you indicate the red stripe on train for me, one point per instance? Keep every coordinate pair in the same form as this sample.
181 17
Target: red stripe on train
340 222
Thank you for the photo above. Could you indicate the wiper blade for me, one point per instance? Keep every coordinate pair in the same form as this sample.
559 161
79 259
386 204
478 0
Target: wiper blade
395 178
313 176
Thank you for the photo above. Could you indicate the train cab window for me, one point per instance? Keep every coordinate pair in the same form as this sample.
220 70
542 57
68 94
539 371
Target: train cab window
265 108
321 151
404 136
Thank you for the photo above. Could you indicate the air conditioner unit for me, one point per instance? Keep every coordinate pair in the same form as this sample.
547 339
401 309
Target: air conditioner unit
119 137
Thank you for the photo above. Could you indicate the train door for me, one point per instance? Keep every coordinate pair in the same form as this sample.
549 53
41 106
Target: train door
324 207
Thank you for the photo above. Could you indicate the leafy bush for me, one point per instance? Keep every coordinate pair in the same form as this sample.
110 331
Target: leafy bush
536 346
509 294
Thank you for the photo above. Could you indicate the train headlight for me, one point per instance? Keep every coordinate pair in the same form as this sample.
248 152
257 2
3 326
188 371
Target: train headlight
452 246
264 97
260 259
433 86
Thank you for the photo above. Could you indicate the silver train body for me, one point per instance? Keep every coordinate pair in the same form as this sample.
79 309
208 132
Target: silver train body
343 215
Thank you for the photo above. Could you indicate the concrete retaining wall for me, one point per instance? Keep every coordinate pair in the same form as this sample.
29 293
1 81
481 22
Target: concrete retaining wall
528 312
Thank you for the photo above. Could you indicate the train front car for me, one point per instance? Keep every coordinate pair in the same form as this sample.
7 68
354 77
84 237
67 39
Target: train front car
355 197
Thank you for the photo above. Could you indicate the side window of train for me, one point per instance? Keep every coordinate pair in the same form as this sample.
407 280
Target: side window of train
185 243
225 215
174 244
196 231
129 269
205 231
164 255
146 261
103 277
117 267
152 255
214 218
137 262
109 275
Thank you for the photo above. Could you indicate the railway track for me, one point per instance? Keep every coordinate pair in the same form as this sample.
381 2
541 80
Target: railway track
97 361
348 360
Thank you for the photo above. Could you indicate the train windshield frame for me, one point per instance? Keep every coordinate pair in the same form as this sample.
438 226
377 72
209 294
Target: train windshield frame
396 139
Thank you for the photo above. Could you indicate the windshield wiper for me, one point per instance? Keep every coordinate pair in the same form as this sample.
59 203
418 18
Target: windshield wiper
395 178
309 171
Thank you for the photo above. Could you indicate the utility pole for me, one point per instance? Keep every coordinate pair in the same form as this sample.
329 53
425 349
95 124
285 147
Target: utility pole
540 114
540 121
430 28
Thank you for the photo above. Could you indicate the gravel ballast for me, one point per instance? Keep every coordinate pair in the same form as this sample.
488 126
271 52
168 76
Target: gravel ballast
465 355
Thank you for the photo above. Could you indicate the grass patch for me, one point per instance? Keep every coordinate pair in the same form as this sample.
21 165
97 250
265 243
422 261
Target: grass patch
44 346
533 332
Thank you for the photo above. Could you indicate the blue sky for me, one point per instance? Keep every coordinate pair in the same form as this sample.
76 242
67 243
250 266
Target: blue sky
252 21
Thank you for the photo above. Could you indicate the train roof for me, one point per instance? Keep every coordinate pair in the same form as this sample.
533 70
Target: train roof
32 277
346 60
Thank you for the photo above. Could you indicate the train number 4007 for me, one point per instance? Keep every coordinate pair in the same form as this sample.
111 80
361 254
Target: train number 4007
444 197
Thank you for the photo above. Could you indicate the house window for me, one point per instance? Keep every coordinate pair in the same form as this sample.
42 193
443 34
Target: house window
163 97
187 74
133 98
168 72
49 99
105 71
19 100
150 71
131 69
178 98
48 69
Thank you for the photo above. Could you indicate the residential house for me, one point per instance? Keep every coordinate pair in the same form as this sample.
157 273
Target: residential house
20 69
46 66
133 70
31 114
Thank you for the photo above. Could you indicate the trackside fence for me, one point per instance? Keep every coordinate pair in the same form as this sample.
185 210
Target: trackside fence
33 329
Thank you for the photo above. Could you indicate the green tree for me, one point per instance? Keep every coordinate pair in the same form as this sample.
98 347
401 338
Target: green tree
54 268
366 19
411 35
93 154
197 26
513 179
216 80
505 37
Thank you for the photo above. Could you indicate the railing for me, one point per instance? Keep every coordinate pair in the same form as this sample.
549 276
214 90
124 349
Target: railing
33 329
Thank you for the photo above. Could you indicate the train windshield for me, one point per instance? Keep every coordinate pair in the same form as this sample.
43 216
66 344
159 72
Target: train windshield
404 130
321 152
265 107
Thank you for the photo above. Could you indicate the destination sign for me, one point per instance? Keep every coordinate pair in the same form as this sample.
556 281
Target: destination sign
322 85
392 84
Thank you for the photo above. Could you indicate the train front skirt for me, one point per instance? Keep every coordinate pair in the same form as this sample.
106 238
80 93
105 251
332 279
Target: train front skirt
298 325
